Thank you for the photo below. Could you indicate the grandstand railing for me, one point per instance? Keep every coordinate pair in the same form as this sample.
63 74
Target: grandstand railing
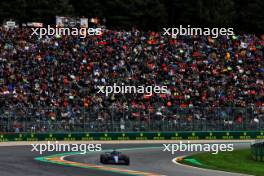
17 119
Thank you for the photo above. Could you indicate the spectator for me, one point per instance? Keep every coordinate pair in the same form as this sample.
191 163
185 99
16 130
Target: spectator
63 73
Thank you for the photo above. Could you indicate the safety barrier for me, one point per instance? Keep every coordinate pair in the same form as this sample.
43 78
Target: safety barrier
257 151
214 135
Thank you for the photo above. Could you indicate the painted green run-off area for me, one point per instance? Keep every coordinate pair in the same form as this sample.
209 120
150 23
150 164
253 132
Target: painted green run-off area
239 161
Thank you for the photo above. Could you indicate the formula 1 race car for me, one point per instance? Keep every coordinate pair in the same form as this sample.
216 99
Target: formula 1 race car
114 157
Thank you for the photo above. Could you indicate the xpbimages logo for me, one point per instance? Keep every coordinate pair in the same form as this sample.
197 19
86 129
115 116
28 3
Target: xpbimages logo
61 147
126 89
61 31
183 31
189 147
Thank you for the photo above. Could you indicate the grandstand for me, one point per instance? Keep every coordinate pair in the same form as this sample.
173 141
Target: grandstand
50 83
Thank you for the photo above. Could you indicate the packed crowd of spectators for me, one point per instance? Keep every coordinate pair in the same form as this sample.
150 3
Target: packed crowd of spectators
56 77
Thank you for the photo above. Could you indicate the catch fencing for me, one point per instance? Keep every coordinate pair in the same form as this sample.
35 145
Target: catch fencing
113 119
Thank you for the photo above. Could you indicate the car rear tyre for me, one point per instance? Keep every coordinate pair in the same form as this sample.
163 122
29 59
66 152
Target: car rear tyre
127 161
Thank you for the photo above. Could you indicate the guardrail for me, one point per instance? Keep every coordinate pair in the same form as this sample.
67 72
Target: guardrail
214 135
257 151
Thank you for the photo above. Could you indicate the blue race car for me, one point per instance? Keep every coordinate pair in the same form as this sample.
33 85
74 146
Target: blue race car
114 157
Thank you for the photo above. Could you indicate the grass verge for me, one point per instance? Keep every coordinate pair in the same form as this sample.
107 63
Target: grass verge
239 161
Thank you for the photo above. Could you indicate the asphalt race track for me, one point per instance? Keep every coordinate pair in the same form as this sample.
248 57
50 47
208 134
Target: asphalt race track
145 158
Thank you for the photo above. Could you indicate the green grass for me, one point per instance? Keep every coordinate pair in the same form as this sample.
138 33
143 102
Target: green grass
239 161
